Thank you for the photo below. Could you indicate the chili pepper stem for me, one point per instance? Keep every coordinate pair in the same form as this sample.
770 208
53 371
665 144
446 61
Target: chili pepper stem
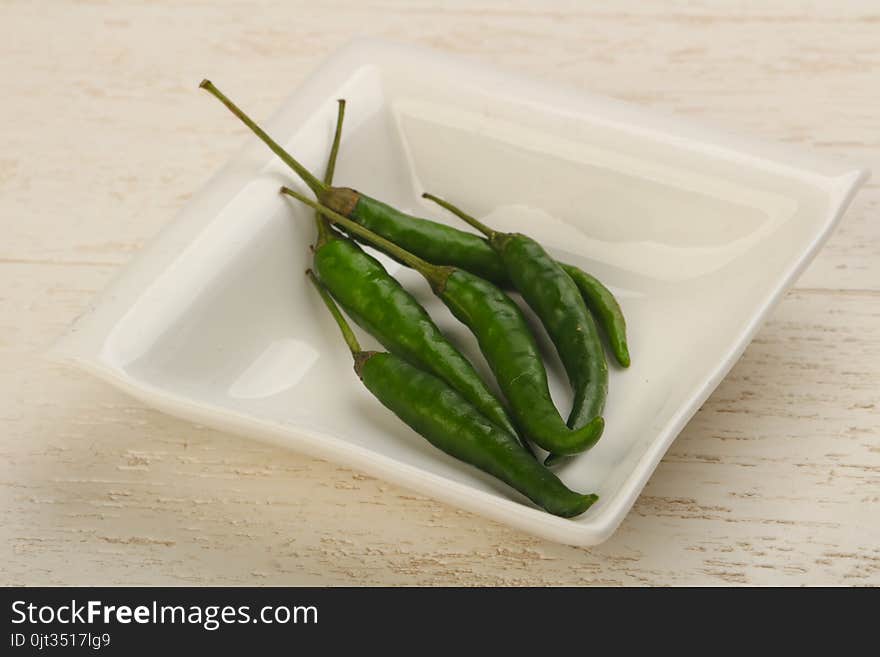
344 327
435 275
308 178
472 221
325 233
337 138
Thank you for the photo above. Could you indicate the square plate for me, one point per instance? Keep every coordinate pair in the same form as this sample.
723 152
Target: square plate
697 231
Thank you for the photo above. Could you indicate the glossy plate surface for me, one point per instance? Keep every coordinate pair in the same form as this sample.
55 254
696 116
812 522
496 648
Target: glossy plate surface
697 231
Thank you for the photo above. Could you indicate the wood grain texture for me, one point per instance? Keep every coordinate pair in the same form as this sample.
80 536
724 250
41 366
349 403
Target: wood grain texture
775 481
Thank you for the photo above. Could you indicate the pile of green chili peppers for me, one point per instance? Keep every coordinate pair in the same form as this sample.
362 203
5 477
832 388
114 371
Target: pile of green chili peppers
423 378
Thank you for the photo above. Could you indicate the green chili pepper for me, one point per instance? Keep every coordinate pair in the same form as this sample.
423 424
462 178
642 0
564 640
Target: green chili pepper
427 239
504 338
449 422
604 306
379 304
557 301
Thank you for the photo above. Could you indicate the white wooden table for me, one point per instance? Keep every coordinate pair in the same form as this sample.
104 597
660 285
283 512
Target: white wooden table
103 137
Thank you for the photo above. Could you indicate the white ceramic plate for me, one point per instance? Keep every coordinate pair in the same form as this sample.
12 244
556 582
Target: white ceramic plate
697 231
